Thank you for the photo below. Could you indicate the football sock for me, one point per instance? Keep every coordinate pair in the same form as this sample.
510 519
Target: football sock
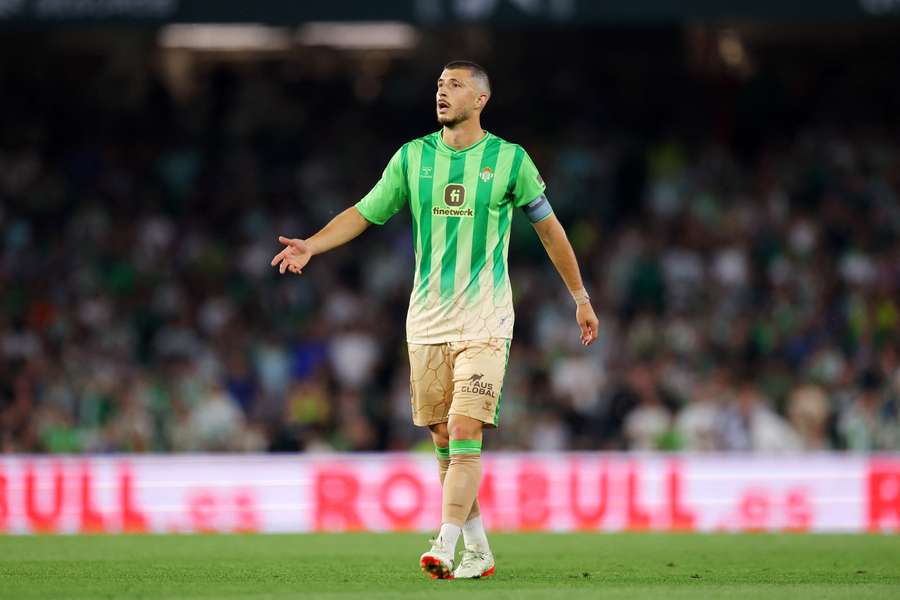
475 535
443 456
449 535
461 481
473 531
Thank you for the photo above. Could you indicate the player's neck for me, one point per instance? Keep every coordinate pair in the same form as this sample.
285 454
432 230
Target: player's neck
462 135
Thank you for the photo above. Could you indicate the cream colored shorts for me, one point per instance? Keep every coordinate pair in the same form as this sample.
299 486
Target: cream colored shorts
457 378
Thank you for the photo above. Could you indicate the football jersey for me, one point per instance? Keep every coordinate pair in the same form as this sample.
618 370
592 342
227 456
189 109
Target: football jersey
462 203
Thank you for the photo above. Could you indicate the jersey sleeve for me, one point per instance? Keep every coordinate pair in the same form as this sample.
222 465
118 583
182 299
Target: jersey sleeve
389 195
529 184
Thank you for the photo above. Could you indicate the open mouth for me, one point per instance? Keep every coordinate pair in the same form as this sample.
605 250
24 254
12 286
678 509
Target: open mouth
443 106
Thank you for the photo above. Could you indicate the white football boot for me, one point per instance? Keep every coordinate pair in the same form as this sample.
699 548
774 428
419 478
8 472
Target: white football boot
438 562
474 564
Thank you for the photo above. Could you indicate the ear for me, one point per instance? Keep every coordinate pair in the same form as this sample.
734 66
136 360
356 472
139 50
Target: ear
481 100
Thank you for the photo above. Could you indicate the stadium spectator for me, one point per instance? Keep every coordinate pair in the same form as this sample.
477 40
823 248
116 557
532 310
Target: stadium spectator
749 289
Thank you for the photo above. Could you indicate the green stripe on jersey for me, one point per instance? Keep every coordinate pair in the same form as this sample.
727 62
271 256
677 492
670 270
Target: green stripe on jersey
425 201
432 288
404 163
404 166
503 222
451 230
482 212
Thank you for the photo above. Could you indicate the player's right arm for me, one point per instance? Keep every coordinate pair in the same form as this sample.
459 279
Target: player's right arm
340 230
380 204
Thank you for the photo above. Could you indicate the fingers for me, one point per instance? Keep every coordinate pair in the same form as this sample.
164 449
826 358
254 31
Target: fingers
280 260
586 334
283 258
287 266
589 328
278 257
291 242
592 327
283 263
589 337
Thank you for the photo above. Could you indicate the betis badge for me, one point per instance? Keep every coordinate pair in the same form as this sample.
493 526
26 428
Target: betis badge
486 174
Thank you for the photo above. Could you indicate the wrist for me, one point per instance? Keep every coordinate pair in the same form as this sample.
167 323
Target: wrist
580 296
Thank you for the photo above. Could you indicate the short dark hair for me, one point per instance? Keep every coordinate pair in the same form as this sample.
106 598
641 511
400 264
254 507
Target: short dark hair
475 70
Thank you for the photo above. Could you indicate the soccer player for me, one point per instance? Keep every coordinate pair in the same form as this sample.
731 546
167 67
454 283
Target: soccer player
462 185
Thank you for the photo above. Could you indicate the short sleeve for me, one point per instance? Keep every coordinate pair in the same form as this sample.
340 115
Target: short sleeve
529 184
390 193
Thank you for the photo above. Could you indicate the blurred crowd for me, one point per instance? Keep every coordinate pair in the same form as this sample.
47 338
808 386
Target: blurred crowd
748 286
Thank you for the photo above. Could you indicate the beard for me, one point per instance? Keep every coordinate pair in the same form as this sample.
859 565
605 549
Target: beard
451 121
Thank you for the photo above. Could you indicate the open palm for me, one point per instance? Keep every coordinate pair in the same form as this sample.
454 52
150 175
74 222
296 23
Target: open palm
293 257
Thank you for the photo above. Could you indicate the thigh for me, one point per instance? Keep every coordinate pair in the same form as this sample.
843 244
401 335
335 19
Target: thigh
479 368
430 383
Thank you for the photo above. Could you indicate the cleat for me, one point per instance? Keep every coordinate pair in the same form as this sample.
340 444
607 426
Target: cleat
474 564
437 562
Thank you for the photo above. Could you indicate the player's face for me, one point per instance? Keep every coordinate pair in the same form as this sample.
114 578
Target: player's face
458 96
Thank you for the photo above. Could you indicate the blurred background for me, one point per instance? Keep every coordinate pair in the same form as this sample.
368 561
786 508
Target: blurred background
729 178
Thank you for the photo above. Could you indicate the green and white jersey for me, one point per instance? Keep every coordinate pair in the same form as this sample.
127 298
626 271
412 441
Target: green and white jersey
462 204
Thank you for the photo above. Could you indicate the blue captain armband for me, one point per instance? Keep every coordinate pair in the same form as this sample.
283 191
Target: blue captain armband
538 209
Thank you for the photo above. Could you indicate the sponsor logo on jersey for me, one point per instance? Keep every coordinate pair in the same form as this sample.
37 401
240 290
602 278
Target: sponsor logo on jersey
454 198
486 174
475 385
440 211
454 194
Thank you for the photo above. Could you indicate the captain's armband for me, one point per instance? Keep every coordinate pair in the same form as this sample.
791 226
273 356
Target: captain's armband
538 209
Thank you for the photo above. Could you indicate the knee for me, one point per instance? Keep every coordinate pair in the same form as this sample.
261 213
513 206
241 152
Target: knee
465 431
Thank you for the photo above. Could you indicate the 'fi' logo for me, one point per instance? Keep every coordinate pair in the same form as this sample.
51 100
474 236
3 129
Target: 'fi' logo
454 194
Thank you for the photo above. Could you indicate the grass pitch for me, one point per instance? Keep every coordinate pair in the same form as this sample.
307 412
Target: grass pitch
385 566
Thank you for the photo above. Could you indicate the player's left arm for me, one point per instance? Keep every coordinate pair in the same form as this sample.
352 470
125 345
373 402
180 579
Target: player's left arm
529 195
556 243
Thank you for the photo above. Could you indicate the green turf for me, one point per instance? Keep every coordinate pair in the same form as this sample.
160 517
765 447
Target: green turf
532 566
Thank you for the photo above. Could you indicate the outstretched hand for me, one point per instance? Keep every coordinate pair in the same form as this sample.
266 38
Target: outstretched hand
588 323
293 257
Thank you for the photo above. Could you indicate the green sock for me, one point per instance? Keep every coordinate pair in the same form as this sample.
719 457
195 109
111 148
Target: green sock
465 447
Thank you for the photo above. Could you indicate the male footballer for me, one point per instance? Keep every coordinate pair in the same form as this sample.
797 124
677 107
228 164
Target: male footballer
462 185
